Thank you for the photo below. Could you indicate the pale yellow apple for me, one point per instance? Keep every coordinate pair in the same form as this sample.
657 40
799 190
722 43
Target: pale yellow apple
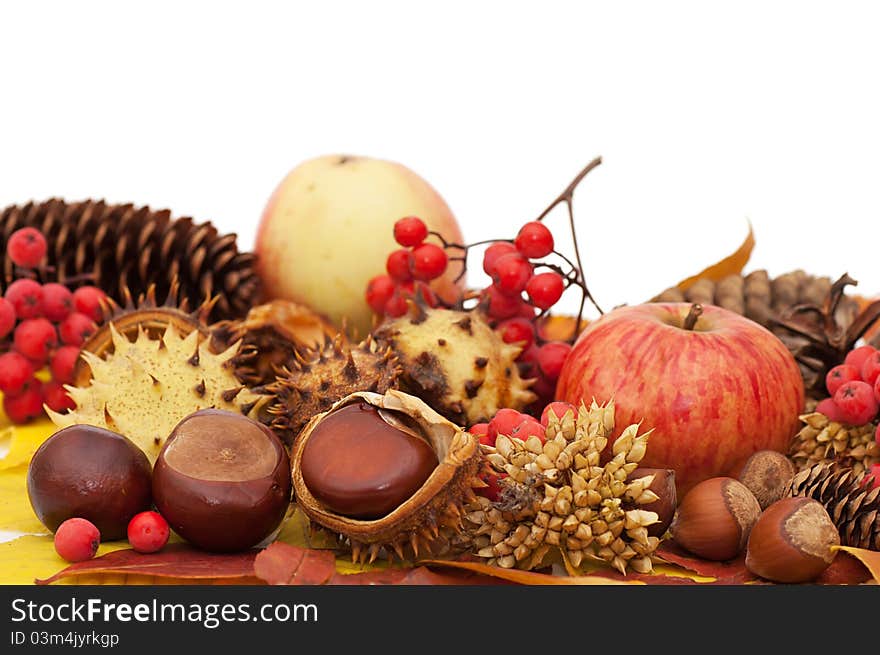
328 229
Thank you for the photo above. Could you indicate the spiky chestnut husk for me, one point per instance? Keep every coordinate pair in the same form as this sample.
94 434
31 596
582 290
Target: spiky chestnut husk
455 362
428 523
270 334
822 440
558 494
318 378
143 388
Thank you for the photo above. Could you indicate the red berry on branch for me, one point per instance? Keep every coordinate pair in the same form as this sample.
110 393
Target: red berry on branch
534 240
379 291
856 402
559 409
829 408
551 357
76 328
857 356
494 252
499 305
26 296
545 289
25 405
528 362
410 231
504 421
63 363
529 428
871 368
57 302
7 317
481 431
26 247
840 374
396 305
422 292
148 532
428 261
77 540
492 490
15 371
34 338
511 273
56 397
398 265
517 330
89 300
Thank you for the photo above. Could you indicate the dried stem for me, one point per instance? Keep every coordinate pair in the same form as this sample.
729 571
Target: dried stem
691 320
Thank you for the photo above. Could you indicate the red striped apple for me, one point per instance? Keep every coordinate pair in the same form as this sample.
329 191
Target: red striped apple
714 386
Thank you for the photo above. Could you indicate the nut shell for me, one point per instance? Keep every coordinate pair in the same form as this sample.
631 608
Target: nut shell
714 519
767 474
223 515
792 541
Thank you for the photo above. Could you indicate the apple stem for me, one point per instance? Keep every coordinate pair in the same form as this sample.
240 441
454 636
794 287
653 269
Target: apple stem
691 320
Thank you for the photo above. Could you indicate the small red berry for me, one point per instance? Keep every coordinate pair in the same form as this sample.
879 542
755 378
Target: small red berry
15 371
504 421
7 317
421 291
545 289
528 362
410 231
529 428
379 291
492 490
499 305
857 356
481 431
517 330
872 479
551 357
27 247
494 252
396 305
56 397
428 261
511 273
89 300
77 540
840 374
62 363
27 404
871 368
26 296
34 338
398 265
534 240
76 328
148 532
856 402
830 409
57 302
559 408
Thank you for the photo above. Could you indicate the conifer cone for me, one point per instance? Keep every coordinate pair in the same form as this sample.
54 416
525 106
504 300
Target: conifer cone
119 247
822 440
854 508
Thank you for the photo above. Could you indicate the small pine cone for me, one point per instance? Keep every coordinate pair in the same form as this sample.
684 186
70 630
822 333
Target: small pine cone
822 440
855 511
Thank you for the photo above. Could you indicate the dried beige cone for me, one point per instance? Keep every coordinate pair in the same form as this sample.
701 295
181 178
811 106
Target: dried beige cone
558 494
823 440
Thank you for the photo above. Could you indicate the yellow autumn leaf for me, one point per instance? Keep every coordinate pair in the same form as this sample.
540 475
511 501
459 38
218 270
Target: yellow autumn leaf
730 265
16 513
23 441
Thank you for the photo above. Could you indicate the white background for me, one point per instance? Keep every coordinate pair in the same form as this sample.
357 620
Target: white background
706 115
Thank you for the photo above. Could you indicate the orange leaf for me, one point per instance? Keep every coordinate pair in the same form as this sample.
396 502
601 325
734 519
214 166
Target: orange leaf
730 265
283 564
870 558
174 561
528 577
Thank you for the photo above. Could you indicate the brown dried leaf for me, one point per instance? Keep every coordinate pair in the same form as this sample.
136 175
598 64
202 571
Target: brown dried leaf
730 265
870 559
283 564
174 561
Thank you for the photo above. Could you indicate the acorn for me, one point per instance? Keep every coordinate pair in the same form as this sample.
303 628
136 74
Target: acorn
664 486
767 474
715 518
792 541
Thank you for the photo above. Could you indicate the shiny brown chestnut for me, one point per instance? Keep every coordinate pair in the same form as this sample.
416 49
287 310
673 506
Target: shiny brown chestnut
222 481
92 473
792 541
664 487
363 462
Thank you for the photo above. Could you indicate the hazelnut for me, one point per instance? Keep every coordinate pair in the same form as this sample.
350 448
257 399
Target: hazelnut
664 487
792 541
714 518
767 474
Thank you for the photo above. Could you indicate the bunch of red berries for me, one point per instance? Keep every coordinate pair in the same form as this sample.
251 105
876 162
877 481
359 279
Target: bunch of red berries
523 289
40 324
855 389
77 539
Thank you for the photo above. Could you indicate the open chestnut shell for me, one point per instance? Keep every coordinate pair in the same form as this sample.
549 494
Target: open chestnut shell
222 481
385 472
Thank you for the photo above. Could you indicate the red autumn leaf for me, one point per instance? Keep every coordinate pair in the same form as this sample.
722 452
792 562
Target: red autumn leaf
284 564
845 569
173 561
421 575
732 572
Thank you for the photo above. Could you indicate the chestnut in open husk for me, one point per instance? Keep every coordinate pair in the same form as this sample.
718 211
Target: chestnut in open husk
222 481
83 471
385 473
